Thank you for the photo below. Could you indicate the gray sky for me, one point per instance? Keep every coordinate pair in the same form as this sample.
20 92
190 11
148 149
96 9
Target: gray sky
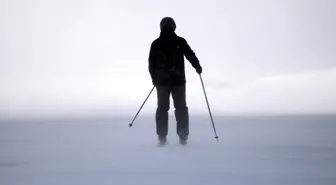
91 56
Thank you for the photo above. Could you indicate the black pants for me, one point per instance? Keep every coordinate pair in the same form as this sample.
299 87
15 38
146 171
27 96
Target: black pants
181 110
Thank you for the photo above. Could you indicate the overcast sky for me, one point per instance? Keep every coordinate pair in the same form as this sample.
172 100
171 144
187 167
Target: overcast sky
91 56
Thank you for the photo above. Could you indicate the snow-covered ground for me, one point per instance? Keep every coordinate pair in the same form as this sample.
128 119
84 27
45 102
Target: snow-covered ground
250 151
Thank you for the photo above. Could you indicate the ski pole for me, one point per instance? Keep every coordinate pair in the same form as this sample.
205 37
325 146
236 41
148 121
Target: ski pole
131 124
206 98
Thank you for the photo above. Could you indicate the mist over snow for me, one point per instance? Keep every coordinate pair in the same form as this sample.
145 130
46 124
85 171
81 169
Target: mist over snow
306 92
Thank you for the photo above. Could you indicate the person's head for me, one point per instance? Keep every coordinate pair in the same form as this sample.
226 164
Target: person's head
167 24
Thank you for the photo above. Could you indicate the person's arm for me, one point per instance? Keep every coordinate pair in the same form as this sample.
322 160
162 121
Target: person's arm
151 63
191 56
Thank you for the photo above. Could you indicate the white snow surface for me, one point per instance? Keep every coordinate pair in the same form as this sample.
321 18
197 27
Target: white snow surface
250 151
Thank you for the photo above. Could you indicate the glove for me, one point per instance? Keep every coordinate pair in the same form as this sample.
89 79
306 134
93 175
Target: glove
199 70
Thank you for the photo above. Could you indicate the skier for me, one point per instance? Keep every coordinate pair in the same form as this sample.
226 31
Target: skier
167 71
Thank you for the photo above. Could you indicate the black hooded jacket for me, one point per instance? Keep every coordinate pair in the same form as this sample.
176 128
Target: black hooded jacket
166 59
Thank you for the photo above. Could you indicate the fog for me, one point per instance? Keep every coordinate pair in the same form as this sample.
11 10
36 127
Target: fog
91 57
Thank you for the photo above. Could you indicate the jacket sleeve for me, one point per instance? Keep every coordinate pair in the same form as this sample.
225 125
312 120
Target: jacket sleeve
151 62
190 55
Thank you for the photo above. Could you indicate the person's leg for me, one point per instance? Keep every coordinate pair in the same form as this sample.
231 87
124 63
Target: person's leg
163 95
181 111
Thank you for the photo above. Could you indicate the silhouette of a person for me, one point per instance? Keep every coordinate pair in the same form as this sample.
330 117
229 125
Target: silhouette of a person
167 70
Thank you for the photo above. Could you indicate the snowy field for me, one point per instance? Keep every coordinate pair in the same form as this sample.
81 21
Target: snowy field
250 151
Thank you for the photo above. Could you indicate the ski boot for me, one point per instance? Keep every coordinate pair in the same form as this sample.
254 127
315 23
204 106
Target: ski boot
162 140
183 139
